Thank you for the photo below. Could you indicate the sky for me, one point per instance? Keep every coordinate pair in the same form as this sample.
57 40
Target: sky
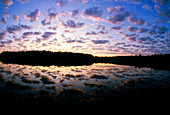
97 27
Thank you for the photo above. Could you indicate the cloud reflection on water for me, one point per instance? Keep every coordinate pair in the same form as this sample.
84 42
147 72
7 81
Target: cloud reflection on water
80 82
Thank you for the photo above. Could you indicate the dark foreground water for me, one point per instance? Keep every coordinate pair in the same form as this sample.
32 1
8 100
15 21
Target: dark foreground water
97 84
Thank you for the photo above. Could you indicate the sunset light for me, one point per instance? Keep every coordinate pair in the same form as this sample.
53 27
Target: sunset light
98 27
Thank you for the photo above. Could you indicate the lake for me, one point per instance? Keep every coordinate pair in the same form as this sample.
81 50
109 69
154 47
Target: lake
97 83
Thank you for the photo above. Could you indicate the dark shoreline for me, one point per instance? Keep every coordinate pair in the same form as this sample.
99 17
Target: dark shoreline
47 58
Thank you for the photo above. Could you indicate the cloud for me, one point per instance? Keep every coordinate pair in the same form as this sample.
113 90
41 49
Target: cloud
15 17
62 3
92 33
73 24
132 29
74 41
17 28
136 21
151 32
144 40
74 12
158 9
23 1
118 18
130 35
115 10
162 2
162 12
100 27
100 41
94 13
162 29
53 28
4 20
52 15
168 35
96 33
69 31
142 30
48 35
131 1
27 34
147 7
131 38
2 35
9 42
33 16
7 2
45 22
116 28
83 1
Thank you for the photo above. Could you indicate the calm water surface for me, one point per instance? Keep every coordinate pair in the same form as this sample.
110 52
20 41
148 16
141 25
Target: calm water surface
77 82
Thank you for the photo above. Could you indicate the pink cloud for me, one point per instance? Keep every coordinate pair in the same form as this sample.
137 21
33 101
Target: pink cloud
147 7
7 2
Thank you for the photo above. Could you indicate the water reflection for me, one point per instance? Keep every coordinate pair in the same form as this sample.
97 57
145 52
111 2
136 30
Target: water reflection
80 82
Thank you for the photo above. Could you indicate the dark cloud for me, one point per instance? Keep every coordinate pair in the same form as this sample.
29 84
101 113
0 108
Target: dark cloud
62 3
143 30
9 42
25 27
48 35
74 41
100 41
116 28
145 40
132 29
45 22
33 16
115 10
73 24
93 13
27 34
136 21
74 12
15 17
151 32
17 28
92 33
7 2
96 33
2 35
162 29
131 38
118 18
162 2
52 15
4 20
53 28
130 35
158 36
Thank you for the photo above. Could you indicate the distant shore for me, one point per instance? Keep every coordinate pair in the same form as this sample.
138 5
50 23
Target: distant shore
47 58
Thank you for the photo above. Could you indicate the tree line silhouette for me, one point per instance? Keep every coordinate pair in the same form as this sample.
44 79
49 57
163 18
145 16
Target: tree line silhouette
47 58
